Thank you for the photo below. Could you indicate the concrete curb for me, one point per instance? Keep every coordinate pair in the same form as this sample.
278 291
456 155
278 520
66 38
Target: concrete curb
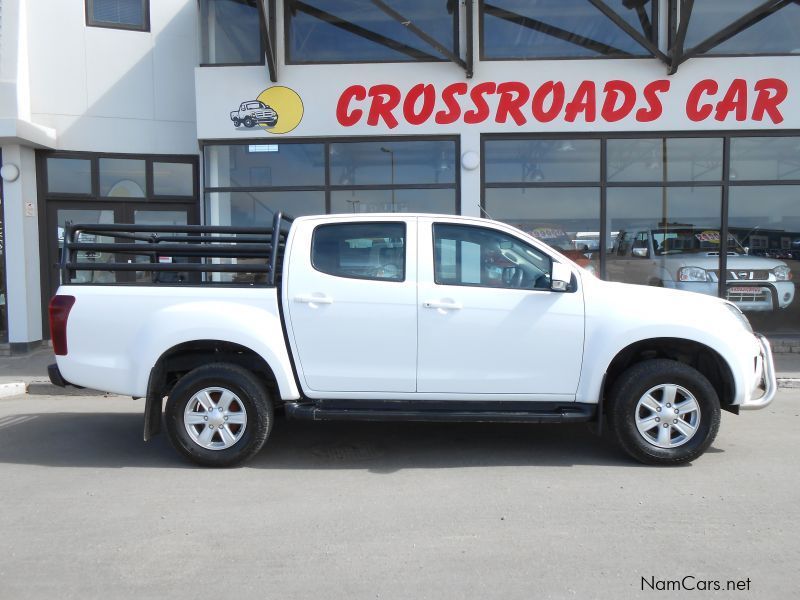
15 388
788 382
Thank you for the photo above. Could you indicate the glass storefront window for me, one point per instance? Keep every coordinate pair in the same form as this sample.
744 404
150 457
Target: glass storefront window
122 178
69 176
173 179
520 29
665 237
663 203
665 159
247 183
342 31
386 163
542 160
265 165
441 201
94 217
230 32
256 209
765 158
766 221
568 219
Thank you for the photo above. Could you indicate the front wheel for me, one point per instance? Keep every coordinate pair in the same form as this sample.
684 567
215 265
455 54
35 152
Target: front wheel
219 415
663 412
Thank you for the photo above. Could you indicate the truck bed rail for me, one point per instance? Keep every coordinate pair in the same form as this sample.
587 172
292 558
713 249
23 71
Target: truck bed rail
192 254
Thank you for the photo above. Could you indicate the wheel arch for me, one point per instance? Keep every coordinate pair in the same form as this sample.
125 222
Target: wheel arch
178 360
705 359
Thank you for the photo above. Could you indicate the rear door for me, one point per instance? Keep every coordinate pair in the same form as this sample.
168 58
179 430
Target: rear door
352 304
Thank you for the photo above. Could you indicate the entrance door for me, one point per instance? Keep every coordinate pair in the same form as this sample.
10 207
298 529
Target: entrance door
141 213
488 321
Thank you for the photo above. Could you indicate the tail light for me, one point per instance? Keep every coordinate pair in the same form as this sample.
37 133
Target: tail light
59 312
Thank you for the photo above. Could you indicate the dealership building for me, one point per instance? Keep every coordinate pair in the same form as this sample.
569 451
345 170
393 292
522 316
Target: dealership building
637 136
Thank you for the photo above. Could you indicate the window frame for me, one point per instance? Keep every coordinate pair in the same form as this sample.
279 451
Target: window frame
648 55
91 22
402 224
437 281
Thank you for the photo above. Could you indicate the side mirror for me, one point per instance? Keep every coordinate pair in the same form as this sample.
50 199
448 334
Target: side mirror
640 252
560 277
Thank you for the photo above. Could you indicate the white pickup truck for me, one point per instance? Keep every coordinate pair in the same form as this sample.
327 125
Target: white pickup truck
410 317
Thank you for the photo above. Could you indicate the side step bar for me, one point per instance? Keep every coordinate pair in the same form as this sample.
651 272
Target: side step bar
499 412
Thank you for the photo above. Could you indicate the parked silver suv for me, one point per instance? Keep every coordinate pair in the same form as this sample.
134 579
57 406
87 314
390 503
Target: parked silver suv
687 258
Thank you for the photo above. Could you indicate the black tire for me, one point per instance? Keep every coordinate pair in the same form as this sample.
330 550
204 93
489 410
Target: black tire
251 398
624 409
236 121
249 122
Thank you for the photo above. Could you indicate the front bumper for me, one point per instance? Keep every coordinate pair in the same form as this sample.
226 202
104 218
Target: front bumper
748 295
765 382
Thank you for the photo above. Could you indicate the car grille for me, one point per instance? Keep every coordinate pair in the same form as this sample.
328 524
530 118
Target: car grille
751 295
745 275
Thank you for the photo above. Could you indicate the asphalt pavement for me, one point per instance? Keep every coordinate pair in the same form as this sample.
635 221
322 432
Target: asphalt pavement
407 511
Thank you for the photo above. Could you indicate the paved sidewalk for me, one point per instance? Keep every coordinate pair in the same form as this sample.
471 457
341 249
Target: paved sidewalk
21 374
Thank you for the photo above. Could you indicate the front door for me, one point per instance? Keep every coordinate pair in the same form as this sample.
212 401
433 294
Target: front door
488 321
352 305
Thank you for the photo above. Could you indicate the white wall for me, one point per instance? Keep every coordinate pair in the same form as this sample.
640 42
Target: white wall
112 90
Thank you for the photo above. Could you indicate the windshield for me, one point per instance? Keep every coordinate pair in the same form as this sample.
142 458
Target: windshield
691 241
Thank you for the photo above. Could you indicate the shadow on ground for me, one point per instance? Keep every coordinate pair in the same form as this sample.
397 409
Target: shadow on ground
109 440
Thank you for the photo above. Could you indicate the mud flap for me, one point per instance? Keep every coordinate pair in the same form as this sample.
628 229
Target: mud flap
153 405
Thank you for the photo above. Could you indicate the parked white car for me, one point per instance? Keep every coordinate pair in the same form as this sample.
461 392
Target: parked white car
687 258
398 317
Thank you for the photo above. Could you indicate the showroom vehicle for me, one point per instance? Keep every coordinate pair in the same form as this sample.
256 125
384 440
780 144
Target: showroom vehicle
687 258
406 317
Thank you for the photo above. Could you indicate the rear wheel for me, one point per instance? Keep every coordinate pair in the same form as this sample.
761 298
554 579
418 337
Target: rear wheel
663 412
219 415
236 121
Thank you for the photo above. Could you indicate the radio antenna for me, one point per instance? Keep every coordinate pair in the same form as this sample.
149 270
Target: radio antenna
483 210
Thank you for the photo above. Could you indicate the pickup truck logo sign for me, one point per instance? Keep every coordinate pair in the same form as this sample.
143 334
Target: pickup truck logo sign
277 109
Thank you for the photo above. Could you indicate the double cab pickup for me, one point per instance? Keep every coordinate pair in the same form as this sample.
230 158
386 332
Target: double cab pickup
412 317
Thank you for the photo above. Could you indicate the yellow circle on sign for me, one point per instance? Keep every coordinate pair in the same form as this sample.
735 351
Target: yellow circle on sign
287 103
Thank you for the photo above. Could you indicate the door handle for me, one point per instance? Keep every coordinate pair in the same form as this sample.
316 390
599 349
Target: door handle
442 304
314 299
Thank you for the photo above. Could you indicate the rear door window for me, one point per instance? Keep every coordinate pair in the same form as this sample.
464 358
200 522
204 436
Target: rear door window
360 250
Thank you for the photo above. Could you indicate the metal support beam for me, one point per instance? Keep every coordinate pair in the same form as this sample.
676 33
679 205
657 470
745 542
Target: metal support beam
637 36
676 52
470 59
268 40
409 24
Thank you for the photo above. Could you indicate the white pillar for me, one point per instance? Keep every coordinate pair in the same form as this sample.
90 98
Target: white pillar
470 177
20 212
